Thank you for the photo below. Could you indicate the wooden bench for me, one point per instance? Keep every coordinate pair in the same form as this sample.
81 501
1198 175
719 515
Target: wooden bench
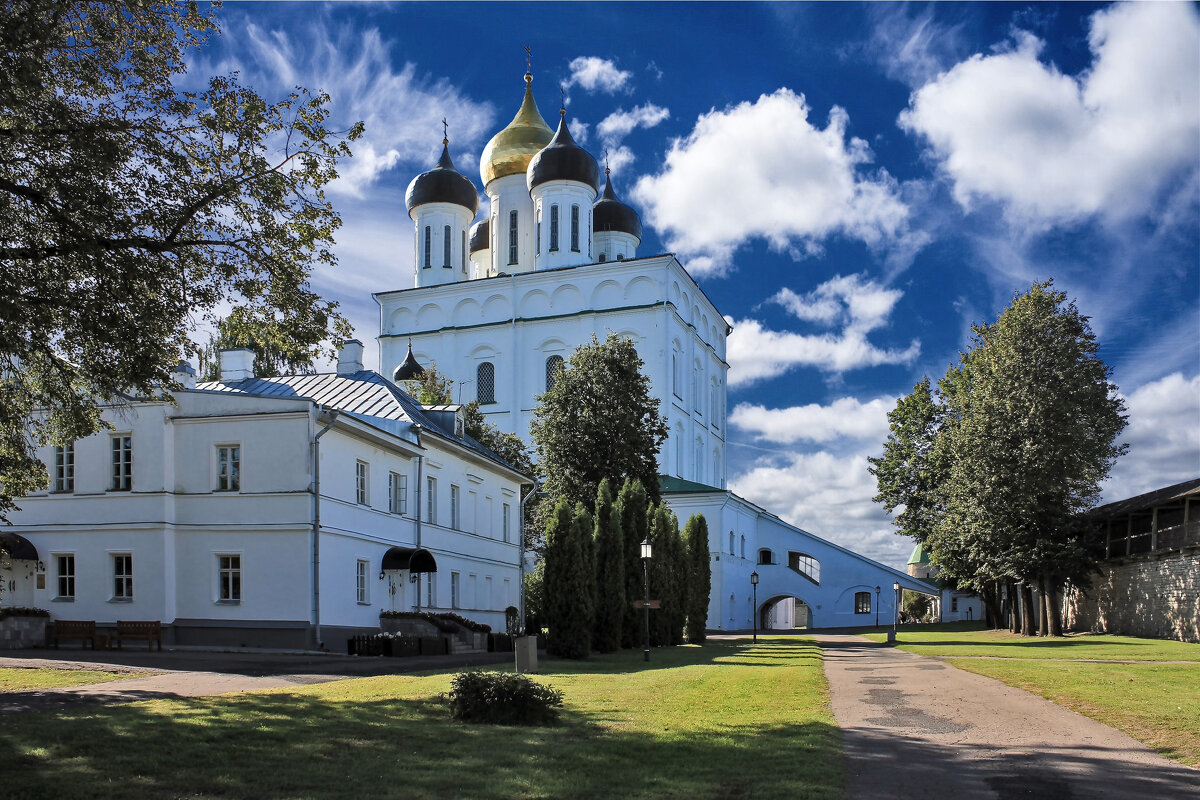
150 630
83 630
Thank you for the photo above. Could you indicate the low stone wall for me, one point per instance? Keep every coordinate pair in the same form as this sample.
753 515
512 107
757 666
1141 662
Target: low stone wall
1156 595
17 633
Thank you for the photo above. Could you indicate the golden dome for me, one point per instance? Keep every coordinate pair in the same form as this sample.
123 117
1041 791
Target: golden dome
510 151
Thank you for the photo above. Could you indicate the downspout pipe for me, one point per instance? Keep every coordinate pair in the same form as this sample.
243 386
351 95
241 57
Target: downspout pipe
316 523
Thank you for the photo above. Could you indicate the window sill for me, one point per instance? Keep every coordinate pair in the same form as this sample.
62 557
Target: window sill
228 602
363 603
120 599
62 599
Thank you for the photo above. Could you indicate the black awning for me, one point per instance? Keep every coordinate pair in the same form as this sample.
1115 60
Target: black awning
412 559
18 547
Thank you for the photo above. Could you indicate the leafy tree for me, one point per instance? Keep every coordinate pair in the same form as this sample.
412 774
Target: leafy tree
535 599
699 577
509 446
430 387
569 582
130 207
916 606
1022 433
275 352
633 506
610 573
667 578
598 421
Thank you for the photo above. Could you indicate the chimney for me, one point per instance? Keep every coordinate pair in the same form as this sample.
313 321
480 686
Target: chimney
184 375
350 358
236 365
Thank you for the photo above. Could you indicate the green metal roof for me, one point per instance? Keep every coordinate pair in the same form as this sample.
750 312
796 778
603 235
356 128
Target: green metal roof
669 484
919 555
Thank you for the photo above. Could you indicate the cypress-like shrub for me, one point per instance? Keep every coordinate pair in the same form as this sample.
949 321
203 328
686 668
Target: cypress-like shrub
633 509
699 572
610 573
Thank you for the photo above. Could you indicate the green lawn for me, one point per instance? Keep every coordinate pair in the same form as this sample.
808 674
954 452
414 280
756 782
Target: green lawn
1156 703
726 720
25 680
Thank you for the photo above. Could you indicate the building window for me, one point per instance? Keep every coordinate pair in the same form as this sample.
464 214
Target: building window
743 551
66 576
428 241
806 565
455 517
862 602
512 237
122 463
538 244
429 589
122 576
575 229
696 382
455 596
954 604
463 252
431 502
504 523
64 468
676 376
229 468
765 556
732 551
229 579
713 407
553 365
485 383
553 227
398 493
446 247
361 482
360 582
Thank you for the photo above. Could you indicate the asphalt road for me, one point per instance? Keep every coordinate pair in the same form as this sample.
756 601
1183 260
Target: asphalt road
916 727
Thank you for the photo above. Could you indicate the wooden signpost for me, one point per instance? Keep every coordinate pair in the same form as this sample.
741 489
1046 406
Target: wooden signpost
644 604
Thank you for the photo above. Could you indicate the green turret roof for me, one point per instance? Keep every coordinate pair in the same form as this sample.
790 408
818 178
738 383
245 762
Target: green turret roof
919 555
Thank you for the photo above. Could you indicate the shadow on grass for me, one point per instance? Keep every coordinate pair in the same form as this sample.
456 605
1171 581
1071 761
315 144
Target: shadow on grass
292 745
765 653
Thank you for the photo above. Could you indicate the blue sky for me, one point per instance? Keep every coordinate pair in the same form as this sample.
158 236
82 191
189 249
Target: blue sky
853 185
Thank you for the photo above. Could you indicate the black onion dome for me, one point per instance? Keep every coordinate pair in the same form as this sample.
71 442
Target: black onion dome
442 184
409 367
480 234
610 214
563 160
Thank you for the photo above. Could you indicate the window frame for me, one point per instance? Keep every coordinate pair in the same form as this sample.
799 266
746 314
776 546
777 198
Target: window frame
455 590
455 509
64 468
398 493
504 525
362 583
122 462
229 579
362 482
485 378
551 371
862 602
64 579
447 249
231 481
122 580
426 261
553 228
574 227
513 234
431 500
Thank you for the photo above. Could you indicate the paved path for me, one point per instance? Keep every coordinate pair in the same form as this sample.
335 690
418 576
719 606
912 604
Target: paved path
915 727
184 673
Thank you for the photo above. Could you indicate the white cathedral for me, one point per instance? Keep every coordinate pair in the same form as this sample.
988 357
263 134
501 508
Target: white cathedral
499 305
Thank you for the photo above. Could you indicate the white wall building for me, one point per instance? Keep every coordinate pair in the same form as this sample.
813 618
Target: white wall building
282 512
553 266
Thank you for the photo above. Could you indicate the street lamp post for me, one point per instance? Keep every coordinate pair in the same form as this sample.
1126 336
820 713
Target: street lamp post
895 612
754 586
877 588
646 592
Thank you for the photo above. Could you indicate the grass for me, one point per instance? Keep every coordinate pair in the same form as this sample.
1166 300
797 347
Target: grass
725 720
1154 702
26 680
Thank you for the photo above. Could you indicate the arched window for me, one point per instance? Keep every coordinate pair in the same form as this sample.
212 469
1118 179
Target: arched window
732 551
575 229
699 461
743 546
765 556
464 252
806 565
446 248
485 383
553 365
716 474
538 244
554 227
512 236
428 239
862 602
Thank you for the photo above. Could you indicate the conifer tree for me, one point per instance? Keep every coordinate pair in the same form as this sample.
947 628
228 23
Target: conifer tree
633 508
610 573
556 589
666 579
699 585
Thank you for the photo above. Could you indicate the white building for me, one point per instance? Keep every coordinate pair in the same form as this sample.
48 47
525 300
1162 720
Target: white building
556 263
281 512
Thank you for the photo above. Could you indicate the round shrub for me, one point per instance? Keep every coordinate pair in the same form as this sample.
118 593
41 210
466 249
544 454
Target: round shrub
502 698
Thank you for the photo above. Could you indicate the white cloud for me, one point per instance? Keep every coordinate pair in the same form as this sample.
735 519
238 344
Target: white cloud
617 158
763 170
854 305
579 130
912 49
620 123
596 74
1052 147
1163 436
846 417
402 110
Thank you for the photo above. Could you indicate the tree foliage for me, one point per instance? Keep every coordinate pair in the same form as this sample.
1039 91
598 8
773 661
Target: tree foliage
610 573
569 581
598 421
668 578
699 577
130 207
430 387
276 352
633 506
994 470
